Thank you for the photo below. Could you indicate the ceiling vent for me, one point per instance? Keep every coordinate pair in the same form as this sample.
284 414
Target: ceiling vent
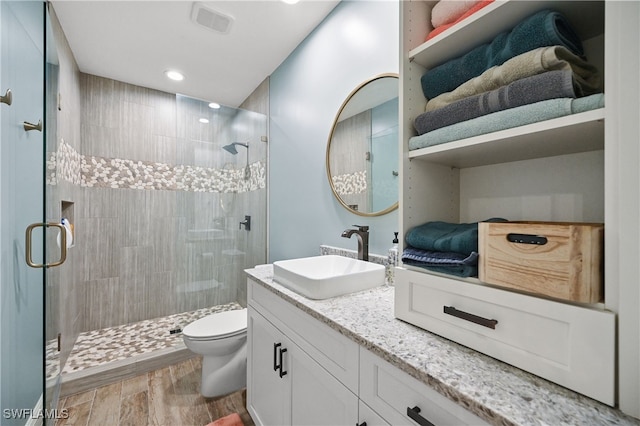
211 19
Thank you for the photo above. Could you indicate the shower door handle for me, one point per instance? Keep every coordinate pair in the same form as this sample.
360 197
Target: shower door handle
63 245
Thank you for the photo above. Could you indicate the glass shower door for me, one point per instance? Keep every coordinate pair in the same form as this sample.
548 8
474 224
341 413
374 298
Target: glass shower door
21 203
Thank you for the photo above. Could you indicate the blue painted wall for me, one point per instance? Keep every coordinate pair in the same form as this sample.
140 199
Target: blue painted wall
356 42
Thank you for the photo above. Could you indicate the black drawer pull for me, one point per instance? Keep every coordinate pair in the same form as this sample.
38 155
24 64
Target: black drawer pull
538 240
362 424
275 355
282 373
414 414
489 323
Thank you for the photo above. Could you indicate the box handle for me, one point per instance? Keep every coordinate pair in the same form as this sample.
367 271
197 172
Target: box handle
527 239
489 323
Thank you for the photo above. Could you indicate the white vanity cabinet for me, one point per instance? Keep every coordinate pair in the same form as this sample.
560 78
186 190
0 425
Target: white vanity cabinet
287 387
368 417
578 168
303 372
265 376
292 359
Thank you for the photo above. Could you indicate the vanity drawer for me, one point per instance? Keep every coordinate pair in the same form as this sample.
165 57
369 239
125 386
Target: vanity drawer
570 345
392 392
333 351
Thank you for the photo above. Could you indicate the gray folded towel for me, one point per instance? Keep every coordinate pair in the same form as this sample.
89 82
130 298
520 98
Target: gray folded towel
549 85
586 78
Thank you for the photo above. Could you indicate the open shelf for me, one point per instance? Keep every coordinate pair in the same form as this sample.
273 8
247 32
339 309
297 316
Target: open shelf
483 26
571 134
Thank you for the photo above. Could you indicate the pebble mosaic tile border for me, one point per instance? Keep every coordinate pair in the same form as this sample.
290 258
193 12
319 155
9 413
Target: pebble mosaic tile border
99 347
66 164
350 183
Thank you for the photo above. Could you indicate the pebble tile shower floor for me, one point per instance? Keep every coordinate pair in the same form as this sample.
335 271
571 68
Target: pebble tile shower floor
100 347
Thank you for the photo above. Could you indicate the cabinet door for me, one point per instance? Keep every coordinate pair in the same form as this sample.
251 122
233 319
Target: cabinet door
268 394
318 398
368 417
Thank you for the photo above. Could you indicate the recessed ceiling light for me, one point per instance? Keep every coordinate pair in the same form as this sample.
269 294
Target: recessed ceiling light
203 120
214 105
174 75
290 1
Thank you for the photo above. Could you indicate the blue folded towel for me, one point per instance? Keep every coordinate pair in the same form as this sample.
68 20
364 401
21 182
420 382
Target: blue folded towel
545 28
448 263
439 257
463 271
540 87
514 117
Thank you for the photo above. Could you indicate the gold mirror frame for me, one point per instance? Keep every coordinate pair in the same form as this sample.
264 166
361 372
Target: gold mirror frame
394 206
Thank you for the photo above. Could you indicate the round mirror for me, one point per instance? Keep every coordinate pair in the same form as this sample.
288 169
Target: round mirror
362 151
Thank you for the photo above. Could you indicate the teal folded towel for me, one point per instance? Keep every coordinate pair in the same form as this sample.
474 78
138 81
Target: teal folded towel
545 28
514 117
528 90
446 237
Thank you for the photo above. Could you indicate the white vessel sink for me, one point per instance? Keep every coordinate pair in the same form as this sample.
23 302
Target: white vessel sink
322 277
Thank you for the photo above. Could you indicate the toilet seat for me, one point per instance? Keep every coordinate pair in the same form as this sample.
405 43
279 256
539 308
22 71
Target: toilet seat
218 326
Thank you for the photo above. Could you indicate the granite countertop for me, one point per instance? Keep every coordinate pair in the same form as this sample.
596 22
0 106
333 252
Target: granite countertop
495 391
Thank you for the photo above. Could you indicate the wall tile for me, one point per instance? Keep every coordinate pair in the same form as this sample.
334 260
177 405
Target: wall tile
143 172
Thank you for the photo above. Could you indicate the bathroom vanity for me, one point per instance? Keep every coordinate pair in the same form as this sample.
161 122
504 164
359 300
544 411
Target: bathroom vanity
347 360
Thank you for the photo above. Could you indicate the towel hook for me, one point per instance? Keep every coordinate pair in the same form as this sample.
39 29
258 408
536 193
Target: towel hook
7 98
30 126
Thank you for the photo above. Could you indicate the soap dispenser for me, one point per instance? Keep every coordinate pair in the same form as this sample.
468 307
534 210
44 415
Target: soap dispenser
393 251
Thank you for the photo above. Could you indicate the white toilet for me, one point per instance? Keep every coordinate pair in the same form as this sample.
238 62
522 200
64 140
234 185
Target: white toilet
221 339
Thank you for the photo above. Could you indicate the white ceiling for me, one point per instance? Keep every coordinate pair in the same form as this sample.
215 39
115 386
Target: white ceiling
136 41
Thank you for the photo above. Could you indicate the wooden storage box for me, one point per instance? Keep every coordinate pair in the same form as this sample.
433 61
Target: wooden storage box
561 260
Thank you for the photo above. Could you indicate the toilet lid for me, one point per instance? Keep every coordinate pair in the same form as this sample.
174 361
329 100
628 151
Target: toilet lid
219 325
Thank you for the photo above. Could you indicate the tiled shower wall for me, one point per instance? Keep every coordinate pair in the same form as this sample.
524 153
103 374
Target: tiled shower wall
161 202
140 172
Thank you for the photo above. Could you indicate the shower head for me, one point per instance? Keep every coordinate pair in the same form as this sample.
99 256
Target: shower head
231 148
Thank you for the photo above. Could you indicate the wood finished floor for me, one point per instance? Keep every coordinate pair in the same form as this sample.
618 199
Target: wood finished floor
169 396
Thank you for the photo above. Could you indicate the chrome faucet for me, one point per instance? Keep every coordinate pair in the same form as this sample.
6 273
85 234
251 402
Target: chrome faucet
363 240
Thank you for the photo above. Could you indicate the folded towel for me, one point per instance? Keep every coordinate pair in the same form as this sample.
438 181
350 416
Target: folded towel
447 11
443 27
545 28
439 257
514 117
461 238
448 263
585 76
548 85
457 270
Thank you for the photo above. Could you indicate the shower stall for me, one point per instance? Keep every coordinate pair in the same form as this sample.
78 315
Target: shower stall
159 210
161 216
